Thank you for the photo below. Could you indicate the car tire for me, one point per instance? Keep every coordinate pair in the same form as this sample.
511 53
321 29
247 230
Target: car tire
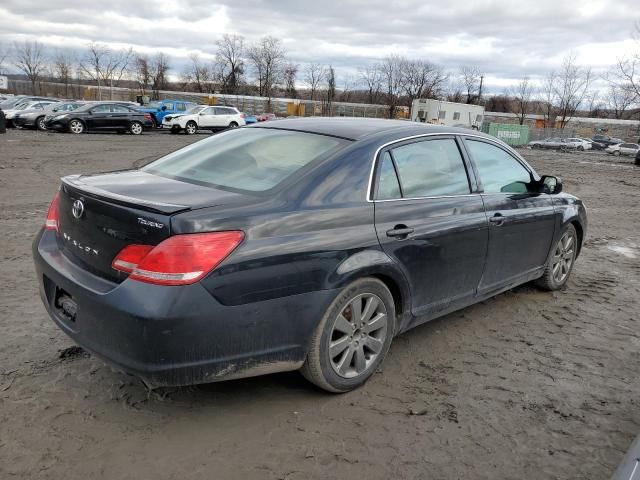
191 127
76 126
136 128
345 351
580 148
561 261
40 125
616 153
233 125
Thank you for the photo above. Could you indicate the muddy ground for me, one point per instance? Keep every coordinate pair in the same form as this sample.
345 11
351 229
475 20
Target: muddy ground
526 385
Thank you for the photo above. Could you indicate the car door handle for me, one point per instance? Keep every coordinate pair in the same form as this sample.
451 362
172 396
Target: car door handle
400 231
498 219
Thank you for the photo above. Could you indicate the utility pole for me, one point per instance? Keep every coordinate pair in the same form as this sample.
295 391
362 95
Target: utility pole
480 89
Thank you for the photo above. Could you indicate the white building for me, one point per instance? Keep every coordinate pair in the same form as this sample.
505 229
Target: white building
447 113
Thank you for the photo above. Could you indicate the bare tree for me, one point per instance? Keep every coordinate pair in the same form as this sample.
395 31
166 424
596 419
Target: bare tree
422 79
570 87
93 62
114 68
471 79
159 72
63 65
392 80
4 54
142 72
267 57
620 98
313 76
331 88
348 82
230 58
290 72
372 78
198 74
30 58
522 94
548 99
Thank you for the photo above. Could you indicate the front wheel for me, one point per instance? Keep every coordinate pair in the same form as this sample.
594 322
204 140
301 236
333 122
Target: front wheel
76 126
191 127
616 153
352 338
560 263
40 125
580 148
136 128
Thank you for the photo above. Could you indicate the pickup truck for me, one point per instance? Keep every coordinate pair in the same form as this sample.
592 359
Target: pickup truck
159 109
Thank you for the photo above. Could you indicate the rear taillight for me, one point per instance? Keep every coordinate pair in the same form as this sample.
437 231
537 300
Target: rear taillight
178 260
242 115
53 219
147 116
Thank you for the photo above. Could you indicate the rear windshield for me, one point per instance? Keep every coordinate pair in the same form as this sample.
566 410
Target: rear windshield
250 159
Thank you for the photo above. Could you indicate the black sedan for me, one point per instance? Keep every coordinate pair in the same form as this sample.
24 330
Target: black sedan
299 244
102 116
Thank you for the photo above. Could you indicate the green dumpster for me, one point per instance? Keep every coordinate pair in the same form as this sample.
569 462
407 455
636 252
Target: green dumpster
511 134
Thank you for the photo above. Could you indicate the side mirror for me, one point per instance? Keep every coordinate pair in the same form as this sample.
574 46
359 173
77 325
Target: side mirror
164 107
551 184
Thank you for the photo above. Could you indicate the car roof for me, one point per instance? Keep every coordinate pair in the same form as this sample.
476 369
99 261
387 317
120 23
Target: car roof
359 128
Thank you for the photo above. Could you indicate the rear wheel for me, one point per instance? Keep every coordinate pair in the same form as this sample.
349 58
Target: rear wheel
616 153
136 128
191 127
76 126
352 338
40 125
233 125
560 263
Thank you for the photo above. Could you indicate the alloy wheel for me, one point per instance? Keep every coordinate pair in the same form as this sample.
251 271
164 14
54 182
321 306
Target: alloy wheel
41 124
358 335
76 126
191 128
563 257
136 128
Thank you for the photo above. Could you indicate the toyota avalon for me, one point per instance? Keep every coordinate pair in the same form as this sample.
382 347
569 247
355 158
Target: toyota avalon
300 244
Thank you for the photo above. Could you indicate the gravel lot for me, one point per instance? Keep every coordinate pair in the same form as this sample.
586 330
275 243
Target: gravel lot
526 385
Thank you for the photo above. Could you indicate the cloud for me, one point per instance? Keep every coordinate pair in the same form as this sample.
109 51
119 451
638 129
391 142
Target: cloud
506 39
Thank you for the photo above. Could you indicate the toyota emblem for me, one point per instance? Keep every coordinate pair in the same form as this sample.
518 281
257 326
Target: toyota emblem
78 208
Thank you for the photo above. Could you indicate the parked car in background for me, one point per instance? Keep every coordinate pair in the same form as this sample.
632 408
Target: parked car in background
249 118
36 118
605 140
595 145
24 107
580 144
160 109
638 157
623 149
264 117
303 244
103 116
203 117
556 143
10 102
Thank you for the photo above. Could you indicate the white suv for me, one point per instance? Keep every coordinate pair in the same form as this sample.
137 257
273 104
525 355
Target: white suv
204 117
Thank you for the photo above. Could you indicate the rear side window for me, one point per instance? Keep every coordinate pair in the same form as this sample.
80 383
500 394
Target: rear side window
499 171
255 159
388 186
119 109
101 109
431 168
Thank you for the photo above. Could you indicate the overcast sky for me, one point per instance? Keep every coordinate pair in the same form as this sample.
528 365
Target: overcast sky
506 39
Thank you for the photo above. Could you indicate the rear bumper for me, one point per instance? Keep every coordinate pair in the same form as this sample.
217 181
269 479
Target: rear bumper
171 336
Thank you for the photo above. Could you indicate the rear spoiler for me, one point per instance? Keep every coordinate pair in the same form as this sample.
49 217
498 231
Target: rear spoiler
75 182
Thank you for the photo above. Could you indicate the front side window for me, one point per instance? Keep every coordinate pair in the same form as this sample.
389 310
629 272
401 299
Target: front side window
208 111
101 109
255 159
168 106
499 171
431 168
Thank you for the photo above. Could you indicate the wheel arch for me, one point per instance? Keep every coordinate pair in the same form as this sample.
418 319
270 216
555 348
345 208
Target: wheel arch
378 265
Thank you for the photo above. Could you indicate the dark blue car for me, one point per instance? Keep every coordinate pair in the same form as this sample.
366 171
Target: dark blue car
299 244
158 110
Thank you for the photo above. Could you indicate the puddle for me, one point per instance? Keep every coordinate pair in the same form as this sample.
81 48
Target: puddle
628 252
